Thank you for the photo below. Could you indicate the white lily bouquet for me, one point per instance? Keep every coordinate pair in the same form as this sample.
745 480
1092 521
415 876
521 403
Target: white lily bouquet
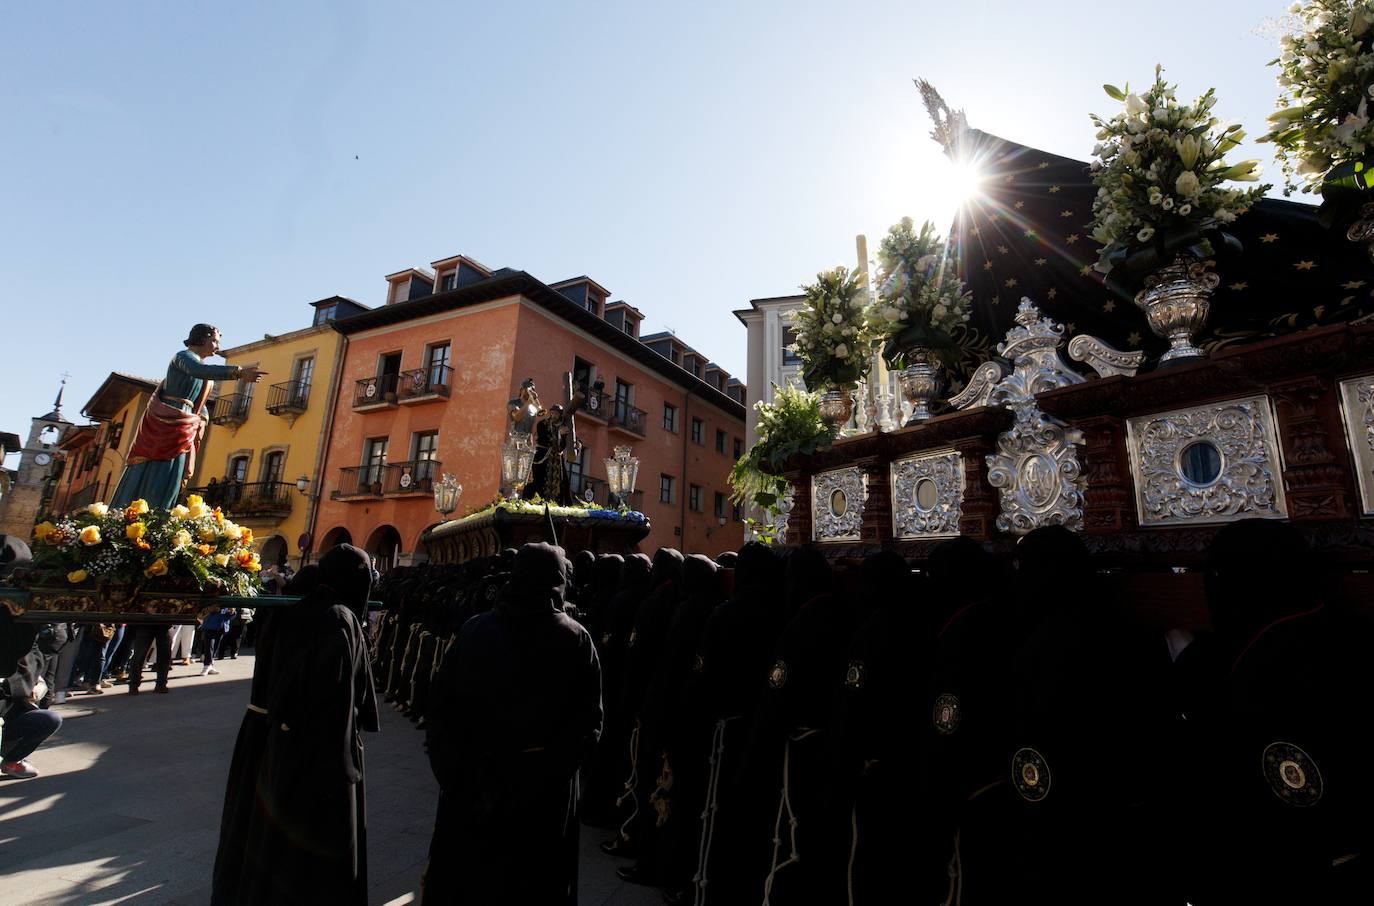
1160 174
1321 128
832 339
920 299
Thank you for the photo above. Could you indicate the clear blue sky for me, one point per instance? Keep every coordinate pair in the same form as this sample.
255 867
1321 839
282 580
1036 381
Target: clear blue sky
166 163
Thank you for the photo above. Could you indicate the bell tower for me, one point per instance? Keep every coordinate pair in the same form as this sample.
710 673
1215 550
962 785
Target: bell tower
37 465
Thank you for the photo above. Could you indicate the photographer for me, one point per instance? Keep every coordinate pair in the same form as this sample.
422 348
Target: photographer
26 650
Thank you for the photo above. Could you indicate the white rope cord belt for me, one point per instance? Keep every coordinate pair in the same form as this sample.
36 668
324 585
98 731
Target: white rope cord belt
631 783
255 709
708 814
785 804
854 836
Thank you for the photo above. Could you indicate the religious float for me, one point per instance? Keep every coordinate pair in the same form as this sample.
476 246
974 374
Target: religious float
1132 349
137 564
534 459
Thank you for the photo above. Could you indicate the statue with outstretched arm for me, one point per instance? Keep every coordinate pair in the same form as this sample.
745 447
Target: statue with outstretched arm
163 455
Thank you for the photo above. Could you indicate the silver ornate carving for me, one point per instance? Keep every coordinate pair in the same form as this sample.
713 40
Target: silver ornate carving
1244 456
980 385
1176 300
1035 469
1037 473
927 495
785 504
1357 411
1032 347
1104 359
837 504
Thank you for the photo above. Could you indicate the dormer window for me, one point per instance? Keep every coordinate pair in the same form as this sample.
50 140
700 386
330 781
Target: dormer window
448 281
326 313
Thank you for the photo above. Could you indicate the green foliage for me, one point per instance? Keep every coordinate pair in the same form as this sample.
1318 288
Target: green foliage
791 424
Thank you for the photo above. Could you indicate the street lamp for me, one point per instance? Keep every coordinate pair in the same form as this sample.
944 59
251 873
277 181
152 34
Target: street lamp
446 494
517 458
621 473
302 483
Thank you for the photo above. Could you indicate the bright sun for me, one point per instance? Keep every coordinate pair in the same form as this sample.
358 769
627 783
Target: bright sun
953 187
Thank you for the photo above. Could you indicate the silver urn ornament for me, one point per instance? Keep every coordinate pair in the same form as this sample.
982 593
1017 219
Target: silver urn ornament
922 381
837 407
1176 300
1362 230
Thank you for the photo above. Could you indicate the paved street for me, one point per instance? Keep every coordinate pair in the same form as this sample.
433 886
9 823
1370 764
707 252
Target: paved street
127 809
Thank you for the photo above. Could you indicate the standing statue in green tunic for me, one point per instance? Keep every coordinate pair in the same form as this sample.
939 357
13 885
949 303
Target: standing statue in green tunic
163 455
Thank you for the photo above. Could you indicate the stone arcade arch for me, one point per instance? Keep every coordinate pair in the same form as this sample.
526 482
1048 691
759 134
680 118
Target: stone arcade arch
274 551
334 537
384 544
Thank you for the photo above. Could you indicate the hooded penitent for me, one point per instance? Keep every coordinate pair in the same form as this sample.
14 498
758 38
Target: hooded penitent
293 828
517 710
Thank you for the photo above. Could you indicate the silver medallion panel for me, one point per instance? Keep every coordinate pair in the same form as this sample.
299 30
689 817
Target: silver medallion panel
1207 464
1357 411
837 504
927 495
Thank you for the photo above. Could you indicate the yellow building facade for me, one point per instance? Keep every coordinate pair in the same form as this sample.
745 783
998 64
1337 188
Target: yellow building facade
263 438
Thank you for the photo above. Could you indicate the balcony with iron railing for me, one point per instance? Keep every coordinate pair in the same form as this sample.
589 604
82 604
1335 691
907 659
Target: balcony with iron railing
597 404
359 483
627 419
289 398
248 498
413 477
424 384
579 483
230 409
375 392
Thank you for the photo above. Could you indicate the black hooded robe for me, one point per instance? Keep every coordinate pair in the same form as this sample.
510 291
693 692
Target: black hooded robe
519 707
294 822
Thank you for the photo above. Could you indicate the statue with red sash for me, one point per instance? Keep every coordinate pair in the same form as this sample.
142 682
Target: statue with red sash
163 455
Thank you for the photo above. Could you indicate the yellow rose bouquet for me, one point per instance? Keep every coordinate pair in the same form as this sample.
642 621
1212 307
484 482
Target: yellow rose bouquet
188 547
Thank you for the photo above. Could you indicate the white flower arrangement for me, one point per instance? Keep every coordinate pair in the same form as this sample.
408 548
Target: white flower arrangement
920 299
1159 172
1326 76
833 341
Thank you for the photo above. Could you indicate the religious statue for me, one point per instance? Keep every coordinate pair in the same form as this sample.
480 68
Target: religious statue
555 439
163 455
523 411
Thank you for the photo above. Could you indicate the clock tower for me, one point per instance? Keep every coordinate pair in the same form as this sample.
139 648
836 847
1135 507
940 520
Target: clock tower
37 466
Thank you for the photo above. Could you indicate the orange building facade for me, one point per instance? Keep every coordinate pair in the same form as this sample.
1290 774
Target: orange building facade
424 389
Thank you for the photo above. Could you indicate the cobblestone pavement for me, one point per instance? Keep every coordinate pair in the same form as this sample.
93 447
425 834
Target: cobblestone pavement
127 807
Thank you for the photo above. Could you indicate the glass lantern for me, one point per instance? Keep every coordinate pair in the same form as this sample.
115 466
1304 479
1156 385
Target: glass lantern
446 494
517 459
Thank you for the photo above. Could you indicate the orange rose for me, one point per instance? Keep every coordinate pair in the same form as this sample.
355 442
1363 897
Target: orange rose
135 531
247 537
143 545
43 531
159 568
205 549
219 515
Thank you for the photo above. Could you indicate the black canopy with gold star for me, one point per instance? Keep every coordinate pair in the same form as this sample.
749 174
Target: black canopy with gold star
1026 234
